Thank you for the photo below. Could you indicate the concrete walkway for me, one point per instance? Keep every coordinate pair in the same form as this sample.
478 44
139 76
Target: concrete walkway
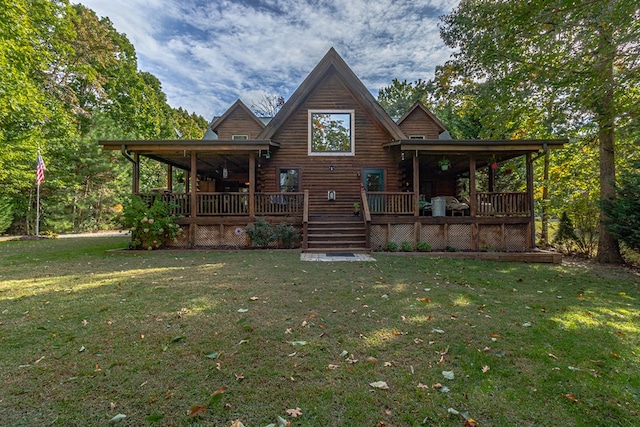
336 257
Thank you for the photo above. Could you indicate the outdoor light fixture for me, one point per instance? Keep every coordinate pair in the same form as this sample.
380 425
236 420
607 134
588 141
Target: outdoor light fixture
402 155
331 167
267 154
225 173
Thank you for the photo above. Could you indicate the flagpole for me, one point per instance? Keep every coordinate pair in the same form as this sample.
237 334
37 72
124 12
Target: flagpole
38 210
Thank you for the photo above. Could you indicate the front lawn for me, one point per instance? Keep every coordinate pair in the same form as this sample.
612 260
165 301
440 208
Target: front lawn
90 336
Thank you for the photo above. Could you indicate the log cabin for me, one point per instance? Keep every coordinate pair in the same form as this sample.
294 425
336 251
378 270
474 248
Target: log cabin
333 164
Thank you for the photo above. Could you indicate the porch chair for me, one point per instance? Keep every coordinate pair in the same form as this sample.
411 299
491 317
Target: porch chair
455 206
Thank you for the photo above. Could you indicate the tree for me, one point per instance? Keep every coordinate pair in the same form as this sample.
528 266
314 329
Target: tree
397 98
623 212
579 57
267 106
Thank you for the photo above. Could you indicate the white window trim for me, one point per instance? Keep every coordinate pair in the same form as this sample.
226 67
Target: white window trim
352 115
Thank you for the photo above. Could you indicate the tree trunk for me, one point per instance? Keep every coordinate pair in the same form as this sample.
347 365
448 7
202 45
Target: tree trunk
608 247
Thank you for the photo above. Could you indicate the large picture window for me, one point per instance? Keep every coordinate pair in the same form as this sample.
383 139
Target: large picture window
331 133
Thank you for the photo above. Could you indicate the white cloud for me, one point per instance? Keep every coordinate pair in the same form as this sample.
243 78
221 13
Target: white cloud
208 54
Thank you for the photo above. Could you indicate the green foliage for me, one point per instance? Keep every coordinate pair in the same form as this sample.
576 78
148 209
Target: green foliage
397 98
423 247
623 212
565 235
406 247
151 223
262 233
6 214
286 234
391 247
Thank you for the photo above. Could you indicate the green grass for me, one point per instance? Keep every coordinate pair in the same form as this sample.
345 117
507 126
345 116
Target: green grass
87 334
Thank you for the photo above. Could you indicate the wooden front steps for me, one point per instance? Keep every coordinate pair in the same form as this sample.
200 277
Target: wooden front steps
332 234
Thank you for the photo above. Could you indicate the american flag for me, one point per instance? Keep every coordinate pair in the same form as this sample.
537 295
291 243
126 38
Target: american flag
40 168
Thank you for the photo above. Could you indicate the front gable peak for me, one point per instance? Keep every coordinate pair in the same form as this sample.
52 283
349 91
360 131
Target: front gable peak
333 61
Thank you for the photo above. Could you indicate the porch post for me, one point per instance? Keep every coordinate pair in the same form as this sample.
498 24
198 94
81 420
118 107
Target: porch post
492 179
135 185
473 208
193 200
532 242
252 182
416 186
169 178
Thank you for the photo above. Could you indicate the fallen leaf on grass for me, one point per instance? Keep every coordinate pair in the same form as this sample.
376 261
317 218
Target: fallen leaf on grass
242 310
437 331
332 367
197 410
237 423
448 375
294 412
470 423
379 385
420 385
485 368
425 299
216 396
298 343
213 355
239 377
570 396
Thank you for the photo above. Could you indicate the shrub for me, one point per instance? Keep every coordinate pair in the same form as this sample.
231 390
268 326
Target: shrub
286 234
151 223
392 247
261 233
565 236
424 247
623 212
406 247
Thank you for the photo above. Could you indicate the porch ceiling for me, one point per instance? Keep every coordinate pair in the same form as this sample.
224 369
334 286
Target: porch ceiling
212 156
505 147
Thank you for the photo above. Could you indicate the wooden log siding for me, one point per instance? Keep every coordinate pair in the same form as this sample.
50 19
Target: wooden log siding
238 123
502 203
418 123
315 174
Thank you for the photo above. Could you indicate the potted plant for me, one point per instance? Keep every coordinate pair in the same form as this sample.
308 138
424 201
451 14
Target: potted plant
444 163
356 208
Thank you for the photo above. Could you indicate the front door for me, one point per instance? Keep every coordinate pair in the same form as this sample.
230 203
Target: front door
373 181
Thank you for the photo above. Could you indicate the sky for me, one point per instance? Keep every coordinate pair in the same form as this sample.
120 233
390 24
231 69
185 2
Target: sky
208 54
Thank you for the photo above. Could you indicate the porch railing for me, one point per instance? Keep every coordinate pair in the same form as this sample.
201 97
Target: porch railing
502 204
219 204
222 204
279 203
383 202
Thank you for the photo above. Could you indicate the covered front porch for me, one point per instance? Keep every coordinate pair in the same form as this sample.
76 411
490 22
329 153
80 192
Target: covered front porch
221 193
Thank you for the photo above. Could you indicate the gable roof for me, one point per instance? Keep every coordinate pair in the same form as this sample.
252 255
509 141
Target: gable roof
333 61
238 104
420 106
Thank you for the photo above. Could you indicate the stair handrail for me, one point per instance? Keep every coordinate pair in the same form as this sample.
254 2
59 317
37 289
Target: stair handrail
366 214
305 221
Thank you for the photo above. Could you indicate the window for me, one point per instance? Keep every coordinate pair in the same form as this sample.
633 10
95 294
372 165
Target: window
289 180
331 133
239 137
416 136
